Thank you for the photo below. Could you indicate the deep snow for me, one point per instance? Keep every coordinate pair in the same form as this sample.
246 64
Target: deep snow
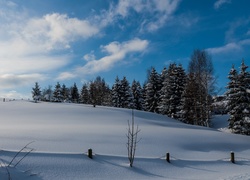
62 134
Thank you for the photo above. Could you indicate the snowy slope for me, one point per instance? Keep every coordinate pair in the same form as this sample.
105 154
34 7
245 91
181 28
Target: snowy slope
62 134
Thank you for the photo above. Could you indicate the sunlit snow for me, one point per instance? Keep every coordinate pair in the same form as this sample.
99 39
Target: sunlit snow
63 132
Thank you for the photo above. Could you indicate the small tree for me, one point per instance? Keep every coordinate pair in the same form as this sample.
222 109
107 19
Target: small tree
132 140
36 92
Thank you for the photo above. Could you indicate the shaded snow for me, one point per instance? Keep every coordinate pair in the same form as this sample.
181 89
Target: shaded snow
64 132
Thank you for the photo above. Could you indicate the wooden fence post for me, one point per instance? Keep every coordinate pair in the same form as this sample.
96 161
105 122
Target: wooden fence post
90 155
232 157
168 157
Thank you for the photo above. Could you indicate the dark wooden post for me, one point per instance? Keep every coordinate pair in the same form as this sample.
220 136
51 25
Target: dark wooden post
232 157
168 157
90 155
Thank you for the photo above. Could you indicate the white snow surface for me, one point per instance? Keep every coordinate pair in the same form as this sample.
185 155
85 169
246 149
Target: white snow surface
63 133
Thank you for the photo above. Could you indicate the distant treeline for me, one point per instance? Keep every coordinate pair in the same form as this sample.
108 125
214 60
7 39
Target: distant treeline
186 96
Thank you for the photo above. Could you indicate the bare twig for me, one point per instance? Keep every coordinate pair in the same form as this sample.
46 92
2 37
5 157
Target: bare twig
25 147
132 140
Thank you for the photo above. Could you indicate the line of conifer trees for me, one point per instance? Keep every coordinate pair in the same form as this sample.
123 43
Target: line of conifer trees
183 95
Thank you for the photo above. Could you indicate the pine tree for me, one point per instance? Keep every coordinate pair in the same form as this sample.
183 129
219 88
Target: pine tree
36 92
99 92
65 93
190 102
231 94
85 99
239 101
74 94
171 92
152 92
136 95
47 94
125 93
57 93
116 93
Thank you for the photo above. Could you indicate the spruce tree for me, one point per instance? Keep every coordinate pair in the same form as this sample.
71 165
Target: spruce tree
116 93
84 96
74 94
152 94
36 92
57 93
239 101
126 96
136 95
65 93
171 92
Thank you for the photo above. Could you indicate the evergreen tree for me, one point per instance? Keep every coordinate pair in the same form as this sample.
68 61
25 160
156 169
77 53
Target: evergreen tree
231 94
65 93
152 92
57 93
171 92
74 94
47 94
136 95
99 92
239 101
190 104
116 93
125 93
36 92
85 99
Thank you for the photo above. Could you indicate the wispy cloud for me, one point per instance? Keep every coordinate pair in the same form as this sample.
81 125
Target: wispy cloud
220 3
65 76
116 52
8 81
230 47
224 49
157 11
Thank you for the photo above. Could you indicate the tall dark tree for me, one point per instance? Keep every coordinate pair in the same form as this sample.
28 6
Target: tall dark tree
190 102
152 92
136 95
126 96
74 94
65 93
116 93
36 92
238 100
171 91
99 92
84 95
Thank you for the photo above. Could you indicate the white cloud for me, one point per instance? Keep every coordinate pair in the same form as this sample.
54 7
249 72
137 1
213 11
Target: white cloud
224 49
8 81
115 52
57 31
157 11
65 76
34 46
230 47
219 3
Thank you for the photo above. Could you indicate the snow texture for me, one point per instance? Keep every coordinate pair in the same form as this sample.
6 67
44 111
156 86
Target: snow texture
63 133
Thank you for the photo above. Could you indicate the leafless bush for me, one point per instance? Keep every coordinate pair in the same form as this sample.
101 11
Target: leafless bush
132 139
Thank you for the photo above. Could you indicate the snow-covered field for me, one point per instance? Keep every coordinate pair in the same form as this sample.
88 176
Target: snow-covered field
62 134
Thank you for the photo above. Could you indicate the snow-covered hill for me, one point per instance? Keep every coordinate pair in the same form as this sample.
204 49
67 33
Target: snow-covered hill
62 134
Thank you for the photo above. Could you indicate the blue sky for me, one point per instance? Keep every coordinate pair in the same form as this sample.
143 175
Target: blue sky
75 41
